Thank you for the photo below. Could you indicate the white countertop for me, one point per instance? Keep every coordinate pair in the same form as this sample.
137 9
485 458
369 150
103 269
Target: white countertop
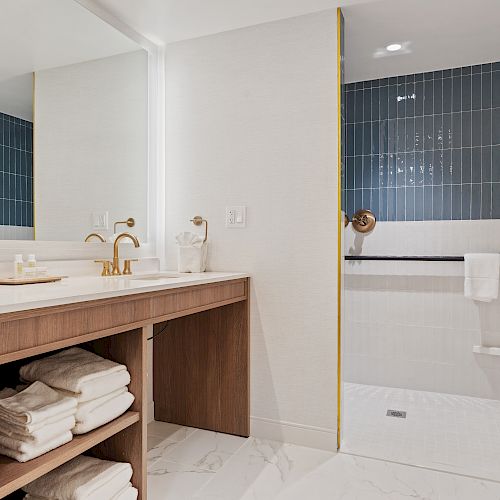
85 288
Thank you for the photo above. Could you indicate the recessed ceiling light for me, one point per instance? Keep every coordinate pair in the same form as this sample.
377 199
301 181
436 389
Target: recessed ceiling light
393 47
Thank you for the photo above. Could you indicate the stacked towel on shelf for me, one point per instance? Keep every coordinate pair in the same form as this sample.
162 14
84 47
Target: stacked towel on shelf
34 421
99 385
84 478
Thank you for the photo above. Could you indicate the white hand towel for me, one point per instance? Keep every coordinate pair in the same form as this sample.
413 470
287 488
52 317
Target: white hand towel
192 253
33 451
482 273
84 410
82 478
105 413
14 440
84 373
35 404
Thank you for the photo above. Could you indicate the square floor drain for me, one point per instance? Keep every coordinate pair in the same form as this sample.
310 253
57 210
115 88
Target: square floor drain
396 413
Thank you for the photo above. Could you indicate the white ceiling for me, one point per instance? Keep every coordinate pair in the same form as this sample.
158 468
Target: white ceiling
438 34
37 35
166 21
16 96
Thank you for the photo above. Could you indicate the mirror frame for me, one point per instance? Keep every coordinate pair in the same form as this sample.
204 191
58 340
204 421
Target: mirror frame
155 244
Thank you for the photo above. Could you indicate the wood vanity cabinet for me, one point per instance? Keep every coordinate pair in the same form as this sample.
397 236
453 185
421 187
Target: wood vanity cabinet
201 366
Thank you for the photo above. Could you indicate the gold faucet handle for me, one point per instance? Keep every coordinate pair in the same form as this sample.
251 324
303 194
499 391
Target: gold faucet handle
105 267
126 265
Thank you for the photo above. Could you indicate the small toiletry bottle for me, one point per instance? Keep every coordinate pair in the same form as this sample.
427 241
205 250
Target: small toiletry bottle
31 261
18 265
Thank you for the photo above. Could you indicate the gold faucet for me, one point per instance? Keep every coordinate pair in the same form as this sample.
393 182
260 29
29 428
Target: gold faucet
95 235
116 261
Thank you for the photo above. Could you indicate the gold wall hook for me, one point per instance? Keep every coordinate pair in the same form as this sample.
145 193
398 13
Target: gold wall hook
198 221
364 221
130 223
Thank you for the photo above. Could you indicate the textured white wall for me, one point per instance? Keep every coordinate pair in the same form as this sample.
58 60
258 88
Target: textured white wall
91 145
408 324
251 120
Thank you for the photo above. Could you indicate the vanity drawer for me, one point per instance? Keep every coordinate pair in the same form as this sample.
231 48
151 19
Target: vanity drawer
178 302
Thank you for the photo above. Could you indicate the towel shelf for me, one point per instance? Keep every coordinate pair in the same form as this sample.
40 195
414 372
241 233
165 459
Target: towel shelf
414 258
14 475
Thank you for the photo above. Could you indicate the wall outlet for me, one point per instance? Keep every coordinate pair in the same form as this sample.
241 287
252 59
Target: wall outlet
100 220
236 216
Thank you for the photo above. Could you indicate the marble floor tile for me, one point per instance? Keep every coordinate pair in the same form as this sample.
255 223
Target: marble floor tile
260 470
172 432
213 466
205 449
153 441
346 477
160 450
171 481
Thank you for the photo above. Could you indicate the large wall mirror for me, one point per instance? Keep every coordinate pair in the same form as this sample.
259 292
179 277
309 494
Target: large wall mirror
73 124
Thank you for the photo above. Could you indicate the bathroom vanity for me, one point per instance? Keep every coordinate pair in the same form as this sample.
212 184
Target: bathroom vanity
200 330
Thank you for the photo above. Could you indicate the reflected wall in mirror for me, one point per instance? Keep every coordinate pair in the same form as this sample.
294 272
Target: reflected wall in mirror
73 124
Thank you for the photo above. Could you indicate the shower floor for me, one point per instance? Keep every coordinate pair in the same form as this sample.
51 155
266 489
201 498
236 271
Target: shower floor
446 432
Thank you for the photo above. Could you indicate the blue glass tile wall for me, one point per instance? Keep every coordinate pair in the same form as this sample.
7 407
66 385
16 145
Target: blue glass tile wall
16 171
425 146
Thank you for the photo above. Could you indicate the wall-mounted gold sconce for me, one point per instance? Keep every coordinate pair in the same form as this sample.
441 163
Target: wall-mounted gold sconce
364 221
198 221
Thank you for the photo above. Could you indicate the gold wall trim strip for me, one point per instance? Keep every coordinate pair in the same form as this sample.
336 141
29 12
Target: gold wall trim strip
33 159
339 223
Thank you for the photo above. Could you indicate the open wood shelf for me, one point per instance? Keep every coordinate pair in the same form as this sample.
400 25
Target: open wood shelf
14 475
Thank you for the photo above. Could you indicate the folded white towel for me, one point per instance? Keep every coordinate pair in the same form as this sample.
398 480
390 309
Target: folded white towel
34 405
18 442
482 272
83 410
99 388
7 393
128 493
100 415
32 451
82 478
33 429
81 372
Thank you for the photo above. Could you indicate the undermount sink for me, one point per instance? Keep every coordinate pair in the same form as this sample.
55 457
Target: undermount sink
151 277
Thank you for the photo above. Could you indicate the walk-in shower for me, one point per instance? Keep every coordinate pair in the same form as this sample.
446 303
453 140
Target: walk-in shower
420 363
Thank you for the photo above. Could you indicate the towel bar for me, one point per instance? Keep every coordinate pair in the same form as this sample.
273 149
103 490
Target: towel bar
419 258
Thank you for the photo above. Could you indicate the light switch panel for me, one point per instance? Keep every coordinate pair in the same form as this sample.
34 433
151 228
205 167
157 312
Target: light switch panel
100 220
236 216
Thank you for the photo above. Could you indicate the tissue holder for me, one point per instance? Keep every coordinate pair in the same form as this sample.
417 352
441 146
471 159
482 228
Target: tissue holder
192 259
